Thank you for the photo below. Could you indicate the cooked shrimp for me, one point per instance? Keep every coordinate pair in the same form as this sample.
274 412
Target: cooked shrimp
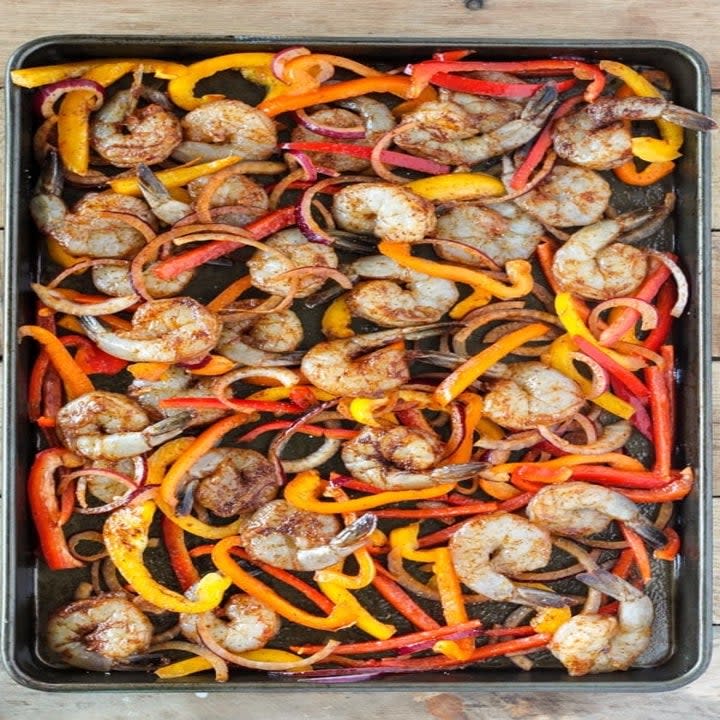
596 137
490 547
163 205
402 458
267 339
248 198
447 132
385 210
126 135
578 509
173 330
397 297
594 643
115 280
529 394
104 487
488 113
568 197
243 624
503 232
233 481
108 426
593 265
294 251
226 127
99 633
365 365
82 231
285 537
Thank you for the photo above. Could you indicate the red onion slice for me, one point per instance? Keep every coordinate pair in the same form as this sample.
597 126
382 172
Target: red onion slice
612 438
600 377
46 96
648 315
281 58
683 289
355 132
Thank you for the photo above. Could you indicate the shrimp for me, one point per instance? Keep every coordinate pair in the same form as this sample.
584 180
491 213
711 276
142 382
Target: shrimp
365 365
387 211
243 624
402 458
99 633
396 296
126 135
502 232
593 265
104 487
233 481
577 509
594 643
596 137
488 113
267 339
448 133
248 199
115 280
173 330
103 425
286 537
490 547
222 128
164 206
82 231
568 197
529 394
294 251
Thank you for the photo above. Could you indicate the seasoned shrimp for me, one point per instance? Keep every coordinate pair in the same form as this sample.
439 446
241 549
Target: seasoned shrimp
294 251
596 137
115 280
447 132
104 487
109 426
173 330
578 509
503 232
402 458
99 633
568 197
163 205
593 265
387 211
365 365
394 296
529 394
243 624
82 231
488 113
594 643
267 339
248 199
285 537
490 547
226 127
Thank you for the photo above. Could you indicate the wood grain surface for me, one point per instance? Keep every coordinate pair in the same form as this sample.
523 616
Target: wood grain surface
694 24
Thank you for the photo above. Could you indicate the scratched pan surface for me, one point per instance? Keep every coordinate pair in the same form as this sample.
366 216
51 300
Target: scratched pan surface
680 647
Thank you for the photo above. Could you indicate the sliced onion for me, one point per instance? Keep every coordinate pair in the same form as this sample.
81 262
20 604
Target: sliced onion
218 664
321 270
600 378
285 377
47 95
305 162
83 265
648 315
613 437
517 441
683 289
484 260
55 299
381 146
355 132
282 57
340 675
316 458
87 536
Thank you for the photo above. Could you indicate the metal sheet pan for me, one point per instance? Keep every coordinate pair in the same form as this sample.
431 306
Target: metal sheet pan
684 622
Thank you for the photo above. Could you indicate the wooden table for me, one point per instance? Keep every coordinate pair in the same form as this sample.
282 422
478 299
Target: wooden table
695 24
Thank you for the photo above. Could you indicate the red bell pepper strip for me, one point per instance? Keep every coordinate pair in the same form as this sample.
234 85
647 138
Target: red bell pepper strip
660 412
451 55
344 481
624 562
640 419
612 477
676 489
42 496
670 550
664 304
314 430
491 88
545 253
180 559
433 512
639 552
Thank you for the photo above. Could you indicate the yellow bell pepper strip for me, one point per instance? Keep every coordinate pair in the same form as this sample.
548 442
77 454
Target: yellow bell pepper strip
174 177
181 89
474 367
477 299
365 410
151 371
363 619
181 668
213 365
76 382
365 574
336 320
306 488
652 149
548 620
343 614
614 460
125 535
457 186
519 272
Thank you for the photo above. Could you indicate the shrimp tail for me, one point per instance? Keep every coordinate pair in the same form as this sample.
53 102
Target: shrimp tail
541 104
540 598
356 533
648 532
456 473
688 118
425 331
167 429
51 177
152 189
640 224
359 244
609 584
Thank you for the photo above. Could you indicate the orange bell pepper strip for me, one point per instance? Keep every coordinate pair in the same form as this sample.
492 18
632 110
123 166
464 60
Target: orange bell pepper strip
473 414
640 553
336 320
474 367
180 559
670 550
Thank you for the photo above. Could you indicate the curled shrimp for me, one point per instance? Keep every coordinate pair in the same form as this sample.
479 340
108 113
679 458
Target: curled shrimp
387 211
402 458
594 643
226 127
529 394
490 547
592 264
247 198
116 280
110 426
393 296
286 537
99 633
596 137
173 330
